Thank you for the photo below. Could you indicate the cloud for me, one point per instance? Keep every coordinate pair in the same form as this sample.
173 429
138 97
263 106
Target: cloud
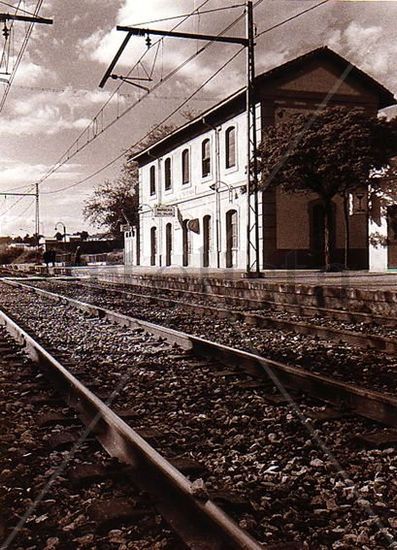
368 47
102 45
14 172
29 73
49 113
47 119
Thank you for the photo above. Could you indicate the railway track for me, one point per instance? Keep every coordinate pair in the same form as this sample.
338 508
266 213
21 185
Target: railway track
44 512
359 331
251 304
276 411
358 365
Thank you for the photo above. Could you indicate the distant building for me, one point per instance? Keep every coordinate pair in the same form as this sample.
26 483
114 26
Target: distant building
193 205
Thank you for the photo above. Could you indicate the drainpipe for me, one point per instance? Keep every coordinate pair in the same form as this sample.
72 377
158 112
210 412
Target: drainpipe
217 195
159 197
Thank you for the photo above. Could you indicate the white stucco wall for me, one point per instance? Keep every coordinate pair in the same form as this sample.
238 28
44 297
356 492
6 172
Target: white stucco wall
196 199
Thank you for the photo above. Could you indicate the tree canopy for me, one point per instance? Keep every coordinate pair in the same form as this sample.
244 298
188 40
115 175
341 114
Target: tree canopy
331 152
116 202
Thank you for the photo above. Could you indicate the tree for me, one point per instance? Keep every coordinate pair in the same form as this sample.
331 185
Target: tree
116 202
333 152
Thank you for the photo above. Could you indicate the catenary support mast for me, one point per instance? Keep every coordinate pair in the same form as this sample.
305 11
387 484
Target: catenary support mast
253 249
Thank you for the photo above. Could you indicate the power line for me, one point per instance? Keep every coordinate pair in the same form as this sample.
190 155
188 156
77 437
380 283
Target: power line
186 100
196 12
15 203
19 56
291 18
17 8
110 163
99 116
172 73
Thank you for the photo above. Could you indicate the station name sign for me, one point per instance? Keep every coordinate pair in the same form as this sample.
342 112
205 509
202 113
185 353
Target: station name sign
161 211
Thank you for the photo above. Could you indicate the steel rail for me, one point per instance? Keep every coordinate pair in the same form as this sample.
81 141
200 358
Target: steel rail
363 402
200 523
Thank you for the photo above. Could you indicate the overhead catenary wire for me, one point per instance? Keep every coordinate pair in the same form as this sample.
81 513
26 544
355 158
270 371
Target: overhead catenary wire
17 8
90 176
172 73
196 12
6 42
295 16
19 56
67 155
163 121
14 204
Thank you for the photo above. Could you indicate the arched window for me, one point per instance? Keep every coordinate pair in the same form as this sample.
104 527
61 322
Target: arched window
231 237
230 147
167 174
206 240
206 157
152 180
185 166
153 245
168 243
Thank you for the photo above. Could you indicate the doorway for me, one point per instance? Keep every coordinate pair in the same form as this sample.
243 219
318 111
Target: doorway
231 238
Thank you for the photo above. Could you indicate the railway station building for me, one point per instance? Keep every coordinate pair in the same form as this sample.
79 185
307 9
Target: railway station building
192 183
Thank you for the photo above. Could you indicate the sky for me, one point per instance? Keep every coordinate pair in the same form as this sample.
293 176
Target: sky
59 128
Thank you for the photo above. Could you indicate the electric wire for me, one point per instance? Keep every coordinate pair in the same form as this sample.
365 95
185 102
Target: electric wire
133 105
13 205
67 153
196 12
4 53
16 8
295 16
163 121
20 54
90 176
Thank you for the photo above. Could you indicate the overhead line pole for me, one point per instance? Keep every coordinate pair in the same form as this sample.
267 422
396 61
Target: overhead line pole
253 251
37 212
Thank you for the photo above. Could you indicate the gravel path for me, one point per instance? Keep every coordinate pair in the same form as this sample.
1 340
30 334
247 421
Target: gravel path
63 518
369 368
338 496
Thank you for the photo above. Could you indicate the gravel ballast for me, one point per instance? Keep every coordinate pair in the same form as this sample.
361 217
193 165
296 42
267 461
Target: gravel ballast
368 368
336 495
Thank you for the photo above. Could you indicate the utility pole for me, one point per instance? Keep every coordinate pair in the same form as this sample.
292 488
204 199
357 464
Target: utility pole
253 252
37 214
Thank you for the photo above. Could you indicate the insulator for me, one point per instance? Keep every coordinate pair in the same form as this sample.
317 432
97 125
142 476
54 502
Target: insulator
6 31
148 41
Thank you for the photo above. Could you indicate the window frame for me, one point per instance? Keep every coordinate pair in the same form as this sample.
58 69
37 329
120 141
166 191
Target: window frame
168 172
228 132
206 174
152 181
186 154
